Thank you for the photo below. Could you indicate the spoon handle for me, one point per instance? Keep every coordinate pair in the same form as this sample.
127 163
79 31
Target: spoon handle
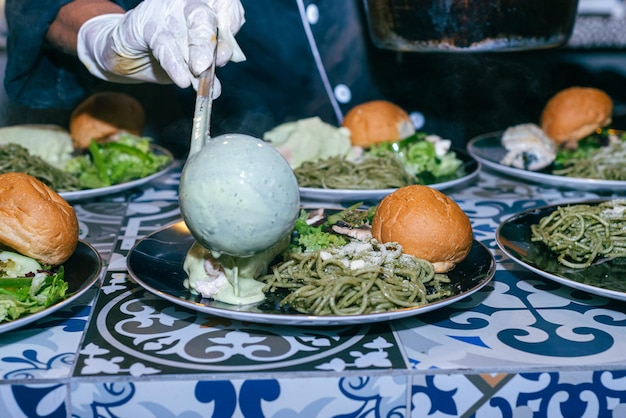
204 103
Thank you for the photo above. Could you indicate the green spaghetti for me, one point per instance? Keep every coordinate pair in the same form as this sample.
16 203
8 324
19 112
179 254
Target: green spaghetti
605 163
579 234
598 156
358 278
370 172
16 158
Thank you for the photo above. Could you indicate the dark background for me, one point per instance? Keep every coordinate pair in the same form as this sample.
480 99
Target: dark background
461 95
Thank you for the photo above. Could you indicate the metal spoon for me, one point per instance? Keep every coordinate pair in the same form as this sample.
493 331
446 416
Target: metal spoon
237 194
204 103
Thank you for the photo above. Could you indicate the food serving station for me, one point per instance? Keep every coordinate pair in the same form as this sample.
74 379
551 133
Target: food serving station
520 345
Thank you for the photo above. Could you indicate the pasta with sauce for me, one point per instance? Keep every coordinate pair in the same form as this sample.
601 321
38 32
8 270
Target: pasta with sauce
606 163
579 234
16 158
371 172
359 278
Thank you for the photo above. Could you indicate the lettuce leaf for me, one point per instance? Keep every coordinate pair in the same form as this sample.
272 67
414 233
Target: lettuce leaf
20 296
108 163
420 159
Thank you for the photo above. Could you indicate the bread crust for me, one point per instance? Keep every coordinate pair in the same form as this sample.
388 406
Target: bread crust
574 113
104 114
35 221
426 223
377 121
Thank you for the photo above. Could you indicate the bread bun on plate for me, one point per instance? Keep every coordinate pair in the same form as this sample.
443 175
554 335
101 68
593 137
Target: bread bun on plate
104 114
575 113
426 223
377 121
35 221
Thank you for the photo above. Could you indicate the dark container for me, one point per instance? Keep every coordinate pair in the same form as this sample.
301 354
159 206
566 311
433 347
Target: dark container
470 25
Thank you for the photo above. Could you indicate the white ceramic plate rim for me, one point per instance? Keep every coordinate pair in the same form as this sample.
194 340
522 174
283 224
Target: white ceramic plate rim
116 188
337 195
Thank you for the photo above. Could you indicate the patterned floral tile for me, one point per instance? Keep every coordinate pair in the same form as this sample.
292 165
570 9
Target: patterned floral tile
99 224
34 400
45 349
357 396
136 333
550 394
518 321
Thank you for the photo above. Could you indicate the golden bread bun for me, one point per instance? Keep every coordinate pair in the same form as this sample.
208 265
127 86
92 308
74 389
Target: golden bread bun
574 113
35 221
377 121
426 223
104 114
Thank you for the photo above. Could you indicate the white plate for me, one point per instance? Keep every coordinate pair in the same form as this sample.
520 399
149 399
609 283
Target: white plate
470 166
513 237
156 264
488 150
116 188
81 272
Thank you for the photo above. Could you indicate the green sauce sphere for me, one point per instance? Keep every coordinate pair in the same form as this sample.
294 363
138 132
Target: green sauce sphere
238 195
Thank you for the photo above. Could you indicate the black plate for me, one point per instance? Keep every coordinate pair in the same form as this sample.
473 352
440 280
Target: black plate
82 270
604 278
156 263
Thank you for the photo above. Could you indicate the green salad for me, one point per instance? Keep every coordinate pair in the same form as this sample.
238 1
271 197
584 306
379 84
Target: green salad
26 287
114 162
104 164
307 238
421 157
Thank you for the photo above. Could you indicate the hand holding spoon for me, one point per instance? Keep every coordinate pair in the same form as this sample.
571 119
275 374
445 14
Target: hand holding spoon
238 195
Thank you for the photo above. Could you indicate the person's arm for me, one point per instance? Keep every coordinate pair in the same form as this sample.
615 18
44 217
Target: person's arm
63 31
147 43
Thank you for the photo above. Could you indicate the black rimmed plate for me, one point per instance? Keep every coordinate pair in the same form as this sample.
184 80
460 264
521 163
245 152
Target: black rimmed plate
603 278
156 264
488 150
82 270
469 169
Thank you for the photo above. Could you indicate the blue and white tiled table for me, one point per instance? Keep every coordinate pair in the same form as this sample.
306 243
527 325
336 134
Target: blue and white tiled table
522 346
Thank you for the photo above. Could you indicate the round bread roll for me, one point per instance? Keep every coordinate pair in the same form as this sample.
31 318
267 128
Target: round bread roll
574 113
104 114
377 121
35 221
426 223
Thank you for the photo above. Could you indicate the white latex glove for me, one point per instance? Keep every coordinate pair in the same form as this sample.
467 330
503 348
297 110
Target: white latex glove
162 41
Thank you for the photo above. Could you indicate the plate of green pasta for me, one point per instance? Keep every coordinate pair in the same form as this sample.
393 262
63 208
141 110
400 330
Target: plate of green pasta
592 167
318 287
579 244
341 180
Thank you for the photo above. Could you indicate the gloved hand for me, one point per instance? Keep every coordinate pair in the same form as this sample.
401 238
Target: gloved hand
162 41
